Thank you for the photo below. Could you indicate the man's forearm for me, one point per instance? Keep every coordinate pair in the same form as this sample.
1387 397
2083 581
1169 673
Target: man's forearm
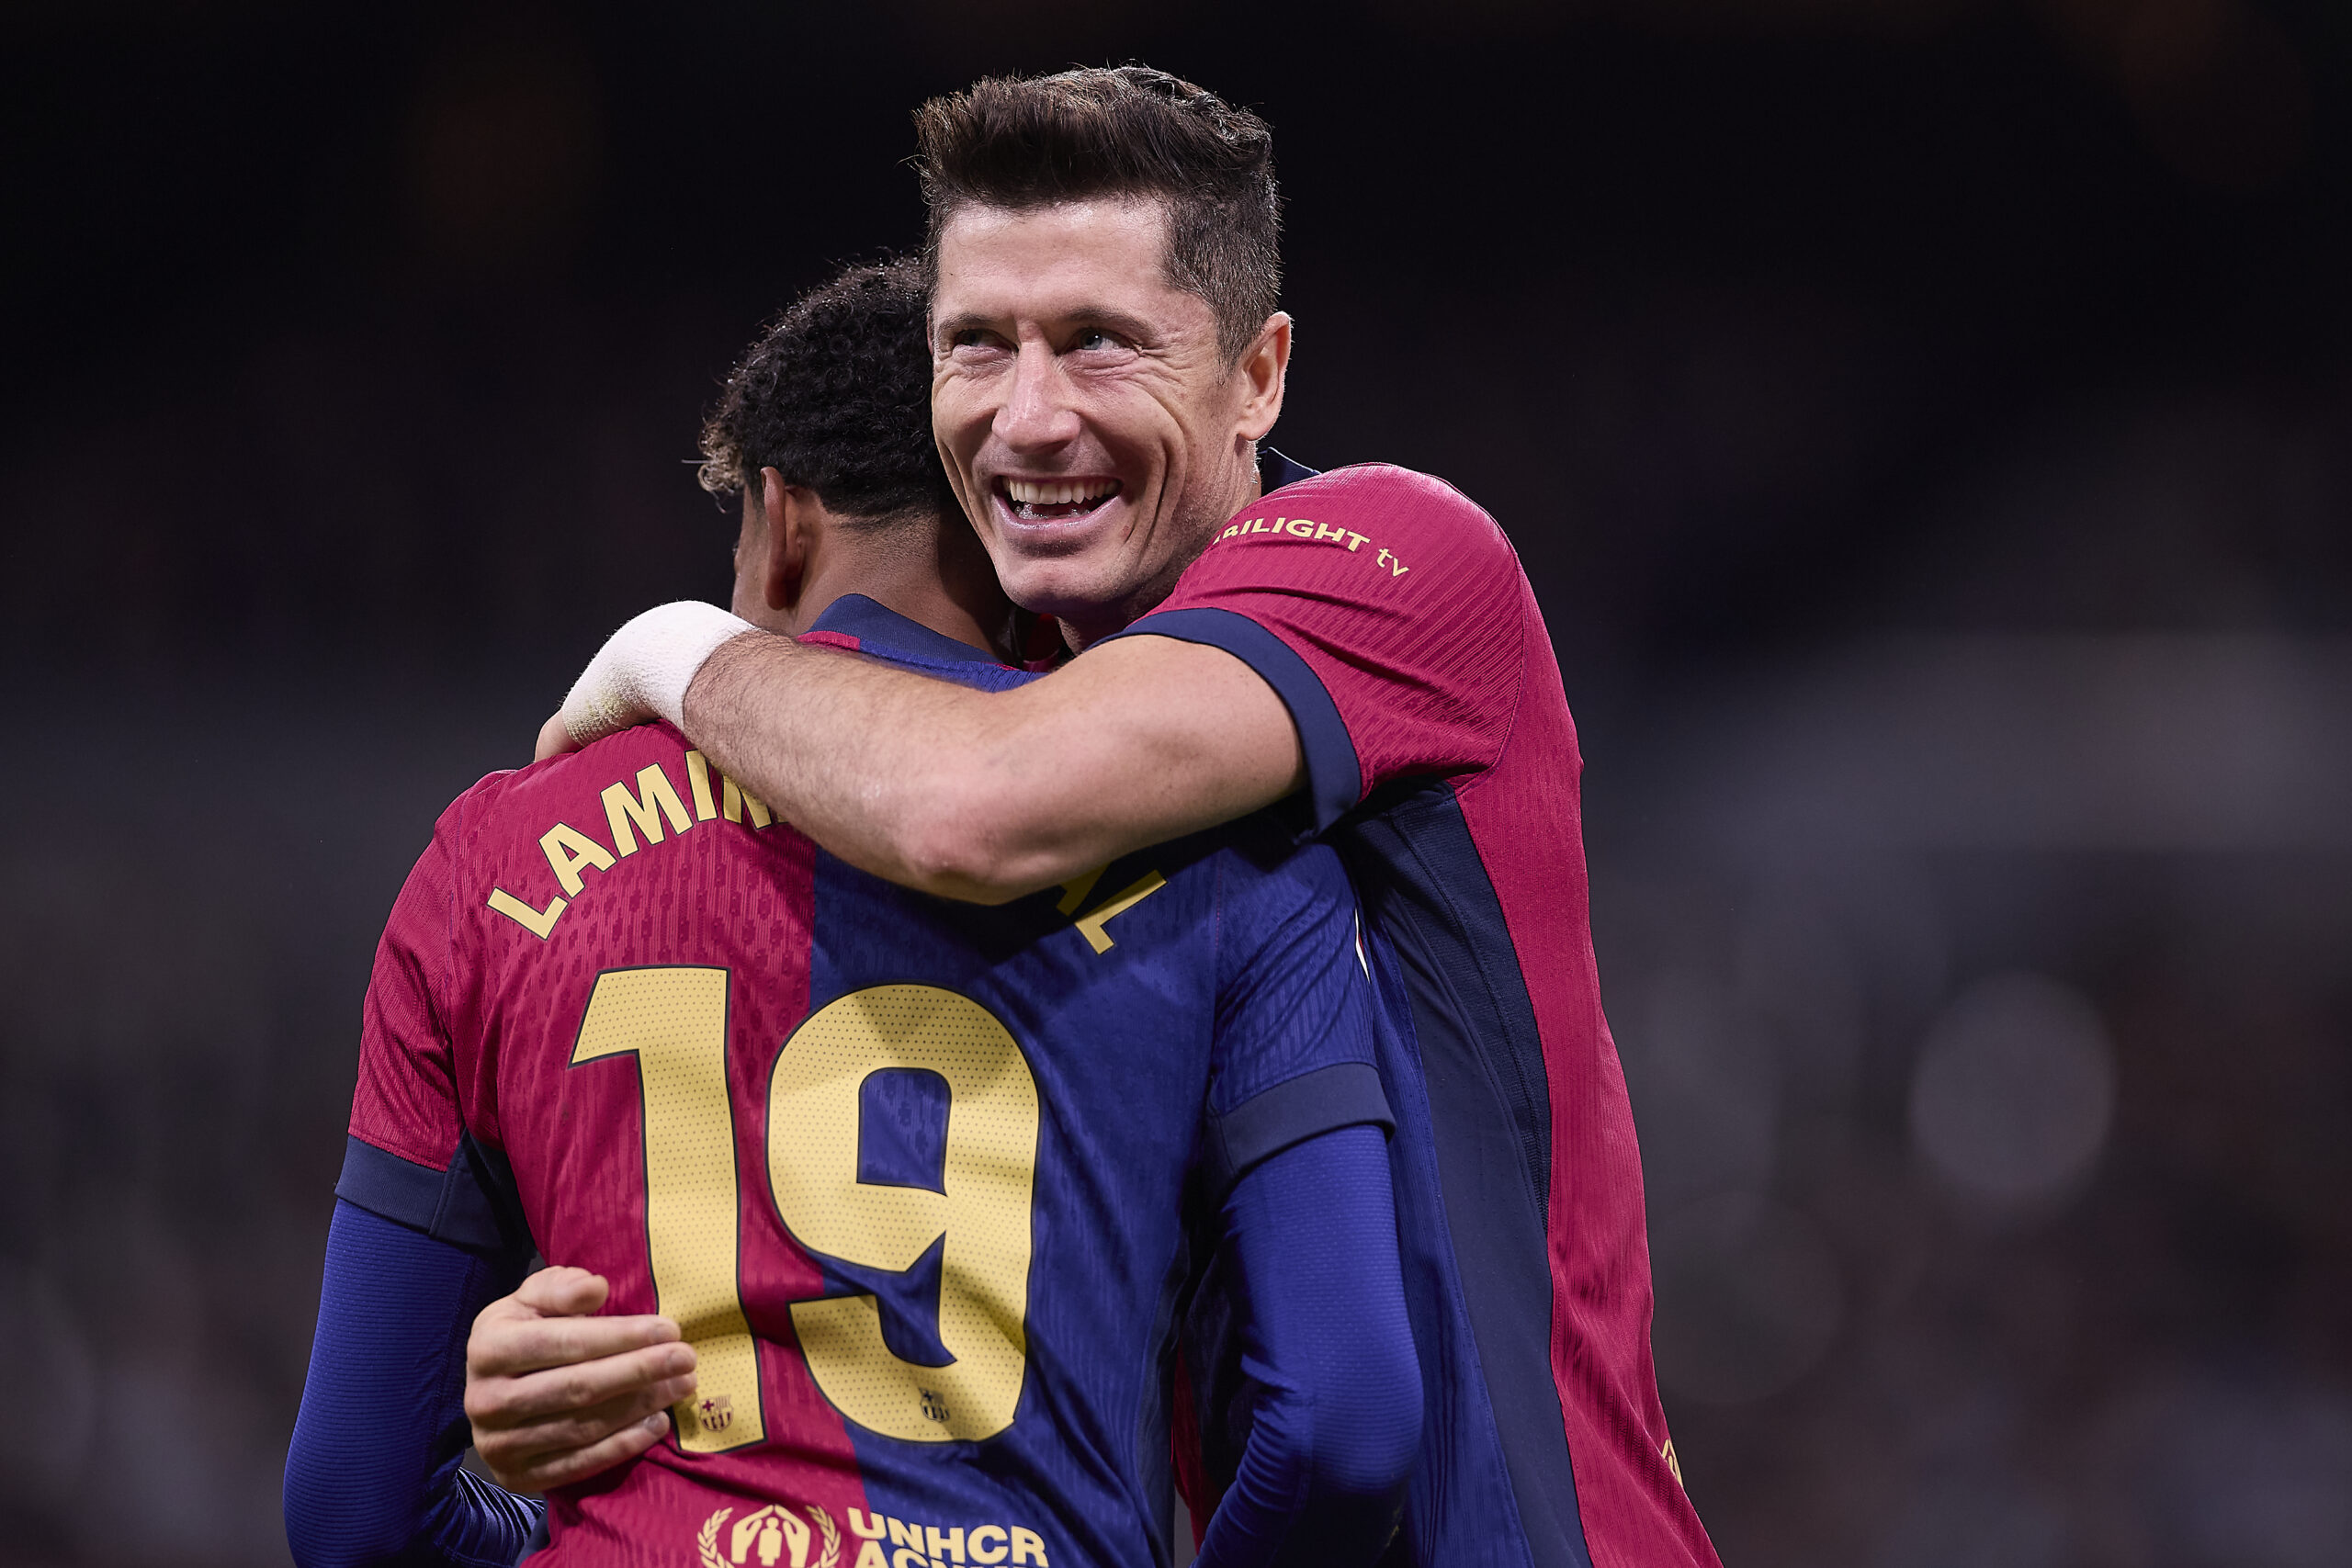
850 752
991 796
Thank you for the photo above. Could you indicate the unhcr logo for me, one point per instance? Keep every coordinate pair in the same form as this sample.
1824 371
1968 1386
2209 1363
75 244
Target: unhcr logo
769 1538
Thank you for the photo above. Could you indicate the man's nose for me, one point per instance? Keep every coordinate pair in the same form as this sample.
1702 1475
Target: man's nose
1039 412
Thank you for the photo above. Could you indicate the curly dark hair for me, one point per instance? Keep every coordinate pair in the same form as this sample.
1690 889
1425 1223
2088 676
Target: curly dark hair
1123 130
836 395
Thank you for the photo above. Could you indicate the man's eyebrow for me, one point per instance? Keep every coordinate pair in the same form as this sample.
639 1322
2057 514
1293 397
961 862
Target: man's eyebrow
1120 321
949 326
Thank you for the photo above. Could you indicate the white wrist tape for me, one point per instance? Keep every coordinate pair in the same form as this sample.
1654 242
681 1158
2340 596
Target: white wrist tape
644 668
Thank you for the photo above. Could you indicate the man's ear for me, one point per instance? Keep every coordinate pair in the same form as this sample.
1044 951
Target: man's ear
1264 372
752 537
791 536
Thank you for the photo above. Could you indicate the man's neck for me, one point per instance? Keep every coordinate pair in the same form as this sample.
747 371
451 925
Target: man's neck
910 583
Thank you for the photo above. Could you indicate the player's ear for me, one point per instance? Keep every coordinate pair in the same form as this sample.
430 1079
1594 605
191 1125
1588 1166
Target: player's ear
790 534
1262 374
752 537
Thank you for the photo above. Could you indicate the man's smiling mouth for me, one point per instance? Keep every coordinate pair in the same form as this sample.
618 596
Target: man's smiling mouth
1055 500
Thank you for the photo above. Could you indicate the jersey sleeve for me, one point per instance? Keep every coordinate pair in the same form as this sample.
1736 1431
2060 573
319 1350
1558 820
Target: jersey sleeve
1386 609
1291 1053
372 1474
1327 1347
410 1157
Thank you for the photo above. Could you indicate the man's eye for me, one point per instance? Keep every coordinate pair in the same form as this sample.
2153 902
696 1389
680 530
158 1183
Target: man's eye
1093 339
984 341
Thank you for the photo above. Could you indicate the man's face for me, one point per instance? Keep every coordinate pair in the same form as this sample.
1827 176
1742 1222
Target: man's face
1091 429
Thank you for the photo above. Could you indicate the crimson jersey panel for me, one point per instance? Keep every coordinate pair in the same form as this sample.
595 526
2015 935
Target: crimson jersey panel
926 1183
1391 615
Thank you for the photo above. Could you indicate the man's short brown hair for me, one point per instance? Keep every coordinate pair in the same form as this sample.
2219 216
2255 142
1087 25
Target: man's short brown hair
1127 130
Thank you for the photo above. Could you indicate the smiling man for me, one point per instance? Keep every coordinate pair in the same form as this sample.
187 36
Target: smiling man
1093 445
1360 646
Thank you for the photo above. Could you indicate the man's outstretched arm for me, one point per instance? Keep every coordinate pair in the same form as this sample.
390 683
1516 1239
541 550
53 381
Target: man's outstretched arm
992 796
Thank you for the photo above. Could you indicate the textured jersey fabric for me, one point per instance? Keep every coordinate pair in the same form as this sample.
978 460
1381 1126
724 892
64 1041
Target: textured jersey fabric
372 1474
925 1182
1338 1419
1391 615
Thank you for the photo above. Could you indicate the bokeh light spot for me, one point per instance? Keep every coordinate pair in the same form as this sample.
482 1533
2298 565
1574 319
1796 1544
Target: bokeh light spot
2013 1094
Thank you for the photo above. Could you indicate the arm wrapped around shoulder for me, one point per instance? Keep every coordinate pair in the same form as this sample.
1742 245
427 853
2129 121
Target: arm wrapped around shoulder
1338 1425
644 668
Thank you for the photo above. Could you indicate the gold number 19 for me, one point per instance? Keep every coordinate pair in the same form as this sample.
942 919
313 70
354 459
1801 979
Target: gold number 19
673 1020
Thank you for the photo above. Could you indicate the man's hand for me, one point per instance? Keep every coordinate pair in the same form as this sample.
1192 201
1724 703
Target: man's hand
640 674
555 739
557 1395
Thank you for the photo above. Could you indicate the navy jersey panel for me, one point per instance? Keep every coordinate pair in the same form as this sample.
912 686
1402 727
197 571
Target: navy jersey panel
1233 977
1473 1036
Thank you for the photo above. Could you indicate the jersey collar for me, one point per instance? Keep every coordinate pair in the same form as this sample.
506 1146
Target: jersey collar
877 630
1275 470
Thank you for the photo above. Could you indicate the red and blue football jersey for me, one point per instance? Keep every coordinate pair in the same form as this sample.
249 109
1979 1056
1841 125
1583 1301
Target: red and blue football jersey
1391 615
925 1183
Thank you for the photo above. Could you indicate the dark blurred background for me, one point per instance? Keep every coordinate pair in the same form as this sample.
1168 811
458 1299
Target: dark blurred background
1929 423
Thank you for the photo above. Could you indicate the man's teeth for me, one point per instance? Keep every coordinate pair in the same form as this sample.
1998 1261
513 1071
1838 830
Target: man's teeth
1064 492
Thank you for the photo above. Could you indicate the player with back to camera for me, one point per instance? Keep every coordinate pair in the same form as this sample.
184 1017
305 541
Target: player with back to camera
926 1184
1360 646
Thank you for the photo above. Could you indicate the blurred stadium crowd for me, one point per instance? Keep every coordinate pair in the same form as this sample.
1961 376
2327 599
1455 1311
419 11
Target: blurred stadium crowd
1929 423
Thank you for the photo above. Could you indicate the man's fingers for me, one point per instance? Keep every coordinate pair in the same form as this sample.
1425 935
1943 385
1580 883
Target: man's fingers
555 739
580 1388
549 1293
509 1347
533 1448
547 1472
516 1348
563 1292
520 1443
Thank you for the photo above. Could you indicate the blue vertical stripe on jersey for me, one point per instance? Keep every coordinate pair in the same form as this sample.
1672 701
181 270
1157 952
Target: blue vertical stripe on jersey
1443 944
